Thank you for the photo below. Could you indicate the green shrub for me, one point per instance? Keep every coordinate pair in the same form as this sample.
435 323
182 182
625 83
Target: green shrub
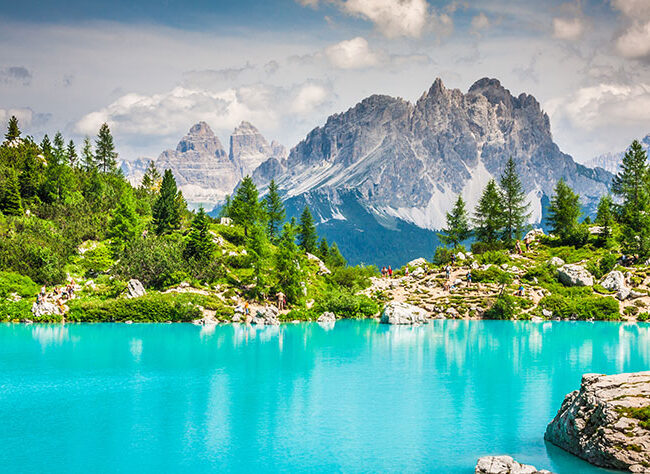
353 278
97 260
503 308
148 308
495 257
442 256
482 247
582 307
643 317
10 310
544 273
299 314
345 304
492 275
233 234
11 282
631 310
607 263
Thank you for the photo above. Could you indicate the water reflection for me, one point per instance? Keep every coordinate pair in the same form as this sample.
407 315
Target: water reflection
50 334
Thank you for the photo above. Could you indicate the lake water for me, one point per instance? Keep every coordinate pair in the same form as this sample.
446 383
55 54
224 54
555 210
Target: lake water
361 397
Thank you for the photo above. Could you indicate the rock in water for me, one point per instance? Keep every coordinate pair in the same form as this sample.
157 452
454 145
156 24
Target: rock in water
327 317
504 465
267 315
575 275
607 421
403 313
135 289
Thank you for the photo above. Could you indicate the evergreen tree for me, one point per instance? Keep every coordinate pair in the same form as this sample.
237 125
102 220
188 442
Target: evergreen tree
335 259
307 237
13 131
288 265
58 151
515 207
46 147
245 208
631 185
30 176
87 155
605 217
225 209
71 154
11 203
258 250
564 211
457 229
199 241
323 249
275 212
105 154
489 215
151 178
123 228
165 210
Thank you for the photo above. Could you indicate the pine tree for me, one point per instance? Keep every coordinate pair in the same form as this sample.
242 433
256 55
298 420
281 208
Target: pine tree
58 151
225 209
258 250
123 228
489 215
335 259
199 241
151 178
515 207
323 249
105 154
274 211
87 156
605 217
288 266
29 176
564 211
457 229
307 237
13 131
631 185
245 208
46 147
165 210
71 154
11 203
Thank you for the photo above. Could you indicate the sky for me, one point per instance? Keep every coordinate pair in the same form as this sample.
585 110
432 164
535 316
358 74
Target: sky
151 69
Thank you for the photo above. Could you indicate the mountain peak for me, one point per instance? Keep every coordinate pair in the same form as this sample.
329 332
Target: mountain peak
245 128
201 139
201 128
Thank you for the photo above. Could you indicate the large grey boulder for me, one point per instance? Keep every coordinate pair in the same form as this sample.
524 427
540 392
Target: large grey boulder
45 309
135 289
613 281
327 317
418 262
403 313
534 234
572 274
322 268
504 465
556 262
267 315
598 423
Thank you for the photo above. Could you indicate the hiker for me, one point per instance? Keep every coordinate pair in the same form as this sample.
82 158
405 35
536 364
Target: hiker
520 291
448 271
247 310
527 242
384 271
453 259
390 272
446 286
469 278
280 296
406 271
518 247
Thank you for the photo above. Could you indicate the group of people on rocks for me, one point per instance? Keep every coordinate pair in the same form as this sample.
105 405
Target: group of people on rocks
518 248
388 272
59 295
448 284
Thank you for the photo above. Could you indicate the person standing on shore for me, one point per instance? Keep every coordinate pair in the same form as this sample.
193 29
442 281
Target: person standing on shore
390 272
280 296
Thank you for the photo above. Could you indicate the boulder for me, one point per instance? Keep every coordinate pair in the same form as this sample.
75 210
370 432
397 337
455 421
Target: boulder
327 317
600 422
402 313
322 269
622 294
460 256
135 289
547 313
534 234
45 309
504 465
267 315
556 262
418 272
418 262
613 281
571 274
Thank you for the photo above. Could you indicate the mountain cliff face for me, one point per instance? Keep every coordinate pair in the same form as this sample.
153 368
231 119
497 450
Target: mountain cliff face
409 161
205 172
611 161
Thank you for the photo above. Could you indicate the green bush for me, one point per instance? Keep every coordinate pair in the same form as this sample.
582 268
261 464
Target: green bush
492 275
353 278
503 308
643 317
20 310
495 257
233 234
11 282
148 308
442 256
299 314
582 307
479 248
544 273
345 304
607 263
97 260
631 310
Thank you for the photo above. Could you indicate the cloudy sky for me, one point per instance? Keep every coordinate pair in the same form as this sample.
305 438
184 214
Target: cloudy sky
151 71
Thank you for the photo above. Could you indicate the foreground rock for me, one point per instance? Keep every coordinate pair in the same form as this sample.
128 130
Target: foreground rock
613 281
267 316
574 275
504 465
45 308
135 289
403 313
601 422
327 317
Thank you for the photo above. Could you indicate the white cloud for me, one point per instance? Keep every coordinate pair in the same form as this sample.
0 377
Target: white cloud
24 116
308 3
568 28
309 97
352 54
392 17
480 22
634 41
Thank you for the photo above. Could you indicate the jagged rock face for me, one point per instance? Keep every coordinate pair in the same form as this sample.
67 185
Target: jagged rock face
611 161
411 160
600 424
134 170
249 149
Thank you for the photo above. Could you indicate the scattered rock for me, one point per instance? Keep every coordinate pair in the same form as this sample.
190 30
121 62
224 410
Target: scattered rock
622 294
504 465
547 313
596 422
460 256
556 262
135 289
613 281
322 268
327 317
269 314
46 308
418 272
534 234
571 274
536 319
418 262
402 313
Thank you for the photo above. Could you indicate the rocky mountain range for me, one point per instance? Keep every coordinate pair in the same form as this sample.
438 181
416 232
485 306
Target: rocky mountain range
611 161
380 177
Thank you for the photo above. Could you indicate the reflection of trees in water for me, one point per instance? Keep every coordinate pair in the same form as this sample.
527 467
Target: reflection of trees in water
50 334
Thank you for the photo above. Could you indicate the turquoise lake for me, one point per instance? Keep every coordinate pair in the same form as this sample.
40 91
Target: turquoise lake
361 397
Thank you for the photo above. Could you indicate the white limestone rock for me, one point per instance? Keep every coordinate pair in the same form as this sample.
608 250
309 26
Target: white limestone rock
135 289
403 313
572 274
504 465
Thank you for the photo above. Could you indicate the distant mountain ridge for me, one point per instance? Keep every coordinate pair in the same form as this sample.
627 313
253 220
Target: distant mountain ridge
612 161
